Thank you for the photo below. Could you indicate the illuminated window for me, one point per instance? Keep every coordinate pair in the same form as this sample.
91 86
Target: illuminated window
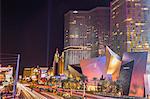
113 13
118 47
121 33
89 17
144 8
113 17
66 31
115 2
74 36
139 24
115 33
73 22
75 12
133 0
81 24
117 6
142 30
117 25
129 19
137 4
66 40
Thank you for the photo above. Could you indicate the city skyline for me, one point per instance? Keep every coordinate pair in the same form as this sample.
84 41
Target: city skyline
58 49
24 27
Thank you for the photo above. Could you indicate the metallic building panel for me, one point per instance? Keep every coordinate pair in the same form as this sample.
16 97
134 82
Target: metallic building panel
94 67
139 69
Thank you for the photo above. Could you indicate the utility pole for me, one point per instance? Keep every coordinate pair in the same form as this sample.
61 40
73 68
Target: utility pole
16 77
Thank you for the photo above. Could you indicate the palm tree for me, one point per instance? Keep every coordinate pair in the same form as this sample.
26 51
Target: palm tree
102 78
101 83
59 81
95 80
119 87
75 81
83 79
71 86
62 83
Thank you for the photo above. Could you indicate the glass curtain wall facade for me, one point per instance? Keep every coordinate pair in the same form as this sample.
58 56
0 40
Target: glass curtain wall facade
76 37
146 10
128 26
85 34
101 27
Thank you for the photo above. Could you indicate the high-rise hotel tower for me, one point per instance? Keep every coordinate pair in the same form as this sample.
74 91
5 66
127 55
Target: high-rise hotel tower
86 34
128 32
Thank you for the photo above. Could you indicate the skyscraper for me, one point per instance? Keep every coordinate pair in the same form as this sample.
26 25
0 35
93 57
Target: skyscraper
139 69
100 20
127 26
76 43
86 34
146 10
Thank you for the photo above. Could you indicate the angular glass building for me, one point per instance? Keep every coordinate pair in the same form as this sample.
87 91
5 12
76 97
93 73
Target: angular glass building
103 65
125 76
138 71
113 63
129 70
95 67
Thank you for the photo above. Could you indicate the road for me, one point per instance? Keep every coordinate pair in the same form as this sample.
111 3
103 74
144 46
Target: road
78 93
35 94
49 95
28 92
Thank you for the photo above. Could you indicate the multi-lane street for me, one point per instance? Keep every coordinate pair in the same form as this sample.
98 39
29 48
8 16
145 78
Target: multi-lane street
49 95
29 93
35 93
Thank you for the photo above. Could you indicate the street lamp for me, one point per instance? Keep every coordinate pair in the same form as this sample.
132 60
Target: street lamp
16 77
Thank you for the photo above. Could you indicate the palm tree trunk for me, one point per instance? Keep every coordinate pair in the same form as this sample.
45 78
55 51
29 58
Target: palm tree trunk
84 90
95 86
71 91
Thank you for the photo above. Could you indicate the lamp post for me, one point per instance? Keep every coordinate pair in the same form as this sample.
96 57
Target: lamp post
16 77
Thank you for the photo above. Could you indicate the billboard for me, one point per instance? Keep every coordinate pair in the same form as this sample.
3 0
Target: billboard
43 71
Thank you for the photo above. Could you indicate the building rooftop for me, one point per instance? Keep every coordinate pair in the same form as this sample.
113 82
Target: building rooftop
77 68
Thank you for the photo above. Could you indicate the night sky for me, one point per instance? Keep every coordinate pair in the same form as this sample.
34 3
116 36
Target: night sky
31 27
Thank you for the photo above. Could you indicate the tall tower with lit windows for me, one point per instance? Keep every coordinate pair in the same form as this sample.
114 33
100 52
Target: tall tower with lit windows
128 26
100 21
146 28
85 35
76 43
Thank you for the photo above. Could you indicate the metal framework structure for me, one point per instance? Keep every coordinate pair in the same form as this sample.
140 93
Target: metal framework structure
11 59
